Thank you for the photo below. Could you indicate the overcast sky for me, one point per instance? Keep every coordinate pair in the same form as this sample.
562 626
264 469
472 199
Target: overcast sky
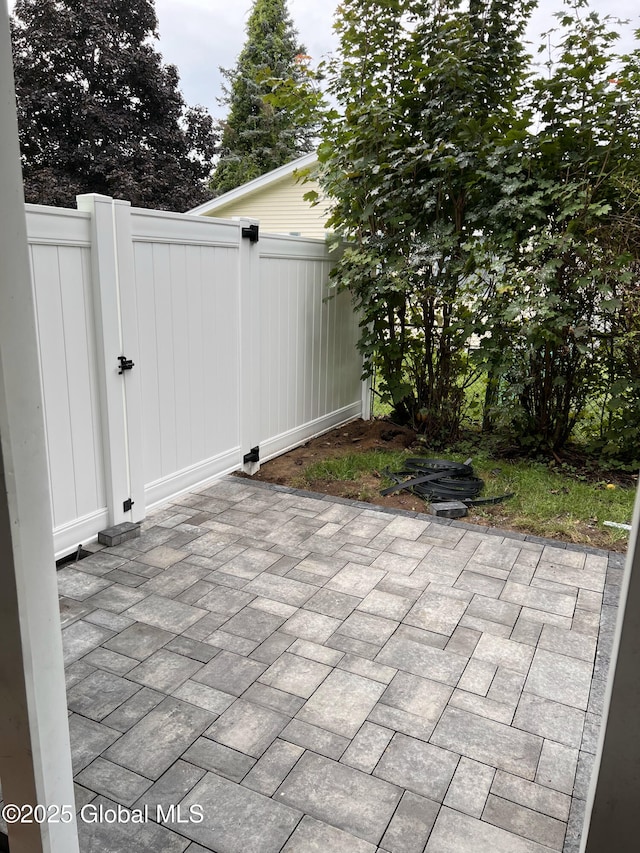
199 36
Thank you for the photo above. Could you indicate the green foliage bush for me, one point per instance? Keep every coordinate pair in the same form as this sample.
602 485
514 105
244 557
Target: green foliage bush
481 202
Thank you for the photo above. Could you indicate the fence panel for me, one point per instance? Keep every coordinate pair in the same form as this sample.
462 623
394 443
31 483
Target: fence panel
186 279
310 371
233 343
60 250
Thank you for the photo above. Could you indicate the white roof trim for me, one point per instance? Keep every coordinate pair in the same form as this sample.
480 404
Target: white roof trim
257 184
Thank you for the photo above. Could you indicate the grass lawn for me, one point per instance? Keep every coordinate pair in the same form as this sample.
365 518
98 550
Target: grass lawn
547 502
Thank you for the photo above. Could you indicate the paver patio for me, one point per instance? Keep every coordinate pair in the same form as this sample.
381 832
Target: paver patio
322 675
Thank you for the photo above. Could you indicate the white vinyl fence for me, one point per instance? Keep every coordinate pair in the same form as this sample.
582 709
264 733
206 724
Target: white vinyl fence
170 347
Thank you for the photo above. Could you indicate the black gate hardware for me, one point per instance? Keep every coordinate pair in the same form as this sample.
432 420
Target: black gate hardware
252 233
125 364
126 505
252 456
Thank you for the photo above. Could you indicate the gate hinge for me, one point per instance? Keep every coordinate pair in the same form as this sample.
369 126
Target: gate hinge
252 233
125 363
252 456
127 505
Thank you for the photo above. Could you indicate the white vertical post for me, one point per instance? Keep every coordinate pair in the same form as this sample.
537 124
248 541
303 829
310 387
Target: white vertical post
35 758
366 399
112 271
250 347
129 341
611 819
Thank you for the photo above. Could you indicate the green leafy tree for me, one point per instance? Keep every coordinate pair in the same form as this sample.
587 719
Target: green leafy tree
427 99
99 112
561 319
260 132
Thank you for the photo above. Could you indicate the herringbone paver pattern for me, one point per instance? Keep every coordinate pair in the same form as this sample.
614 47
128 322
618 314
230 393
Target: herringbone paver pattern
318 675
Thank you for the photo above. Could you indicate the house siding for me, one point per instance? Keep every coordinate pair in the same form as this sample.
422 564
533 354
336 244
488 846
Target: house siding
280 208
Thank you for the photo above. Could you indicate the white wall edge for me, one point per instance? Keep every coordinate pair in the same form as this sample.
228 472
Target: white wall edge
68 536
196 476
286 441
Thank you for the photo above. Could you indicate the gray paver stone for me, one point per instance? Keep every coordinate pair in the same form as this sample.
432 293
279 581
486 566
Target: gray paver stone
81 637
221 759
355 580
560 678
316 739
341 796
237 819
271 769
411 824
152 745
313 836
204 696
99 694
367 746
419 696
330 602
88 740
139 641
368 628
423 660
164 670
342 703
420 767
489 742
247 727
557 767
172 786
470 787
295 674
459 833
529 794
253 624
166 614
550 719
270 697
315 627
271 649
114 781
502 652
437 613
230 673
525 822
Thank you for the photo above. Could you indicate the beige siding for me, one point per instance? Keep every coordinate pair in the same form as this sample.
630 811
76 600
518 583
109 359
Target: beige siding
280 208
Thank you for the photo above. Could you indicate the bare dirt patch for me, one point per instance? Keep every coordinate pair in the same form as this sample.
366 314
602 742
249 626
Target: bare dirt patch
355 436
286 470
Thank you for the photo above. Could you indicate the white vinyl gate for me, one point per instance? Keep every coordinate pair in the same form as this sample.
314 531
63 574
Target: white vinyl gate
170 346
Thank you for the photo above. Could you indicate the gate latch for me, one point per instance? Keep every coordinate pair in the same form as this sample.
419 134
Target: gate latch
125 364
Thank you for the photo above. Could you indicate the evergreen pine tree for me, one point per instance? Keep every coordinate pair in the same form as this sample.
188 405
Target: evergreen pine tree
99 112
259 136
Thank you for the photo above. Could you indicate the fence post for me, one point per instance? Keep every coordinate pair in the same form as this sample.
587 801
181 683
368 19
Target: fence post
112 280
367 406
35 757
131 349
250 347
